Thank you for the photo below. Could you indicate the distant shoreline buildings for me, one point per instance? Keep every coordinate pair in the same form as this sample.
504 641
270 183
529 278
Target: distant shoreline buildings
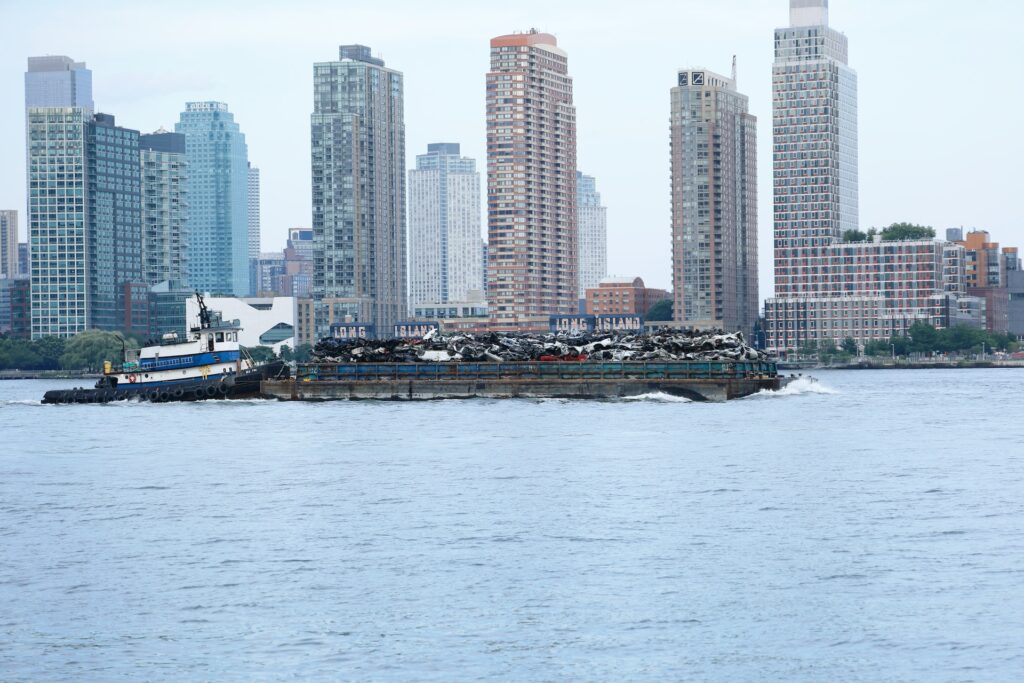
122 227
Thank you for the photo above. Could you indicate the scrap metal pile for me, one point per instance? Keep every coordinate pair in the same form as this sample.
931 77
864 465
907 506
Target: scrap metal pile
510 348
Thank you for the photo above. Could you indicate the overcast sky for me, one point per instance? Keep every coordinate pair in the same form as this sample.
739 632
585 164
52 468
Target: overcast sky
940 98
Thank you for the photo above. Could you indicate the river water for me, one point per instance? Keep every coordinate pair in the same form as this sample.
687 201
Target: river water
867 528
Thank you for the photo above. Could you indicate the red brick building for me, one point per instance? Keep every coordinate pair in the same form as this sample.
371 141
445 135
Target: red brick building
623 296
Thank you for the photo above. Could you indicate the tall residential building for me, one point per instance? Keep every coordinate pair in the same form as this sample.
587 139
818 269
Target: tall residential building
714 203
358 164
85 224
814 95
164 207
54 81
592 240
531 183
58 81
218 193
9 243
254 220
445 257
58 229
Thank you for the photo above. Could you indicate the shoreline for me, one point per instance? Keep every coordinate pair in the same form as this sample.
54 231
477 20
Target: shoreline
906 365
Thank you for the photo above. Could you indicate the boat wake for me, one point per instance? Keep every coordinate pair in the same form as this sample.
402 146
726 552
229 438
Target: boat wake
798 387
658 397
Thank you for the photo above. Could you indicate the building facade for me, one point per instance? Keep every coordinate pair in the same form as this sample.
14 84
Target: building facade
164 207
58 81
23 259
9 243
253 221
218 188
267 271
297 279
531 183
623 296
714 203
85 222
265 321
815 172
592 239
114 220
57 223
987 271
358 173
870 291
445 257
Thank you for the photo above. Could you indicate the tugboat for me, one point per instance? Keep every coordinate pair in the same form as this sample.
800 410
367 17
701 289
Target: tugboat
209 364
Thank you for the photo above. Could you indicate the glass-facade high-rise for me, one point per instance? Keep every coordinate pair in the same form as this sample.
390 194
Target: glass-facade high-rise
114 222
85 224
592 241
358 167
164 207
218 190
714 203
58 81
444 226
814 95
57 221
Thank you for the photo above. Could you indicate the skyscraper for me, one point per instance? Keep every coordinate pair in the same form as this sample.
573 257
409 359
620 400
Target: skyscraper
8 243
218 192
164 207
358 164
714 203
445 257
531 183
58 81
833 281
53 81
85 225
592 241
814 92
254 221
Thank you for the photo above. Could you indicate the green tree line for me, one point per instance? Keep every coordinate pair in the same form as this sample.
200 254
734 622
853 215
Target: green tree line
920 338
83 352
893 233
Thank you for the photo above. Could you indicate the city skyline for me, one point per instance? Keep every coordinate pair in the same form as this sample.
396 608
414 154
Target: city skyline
904 175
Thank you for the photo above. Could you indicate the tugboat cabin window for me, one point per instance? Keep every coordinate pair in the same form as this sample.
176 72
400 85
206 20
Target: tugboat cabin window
220 336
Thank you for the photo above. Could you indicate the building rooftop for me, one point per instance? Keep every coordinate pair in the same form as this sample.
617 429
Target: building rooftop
808 12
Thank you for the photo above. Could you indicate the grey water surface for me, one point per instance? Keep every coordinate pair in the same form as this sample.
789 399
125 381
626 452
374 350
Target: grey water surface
870 528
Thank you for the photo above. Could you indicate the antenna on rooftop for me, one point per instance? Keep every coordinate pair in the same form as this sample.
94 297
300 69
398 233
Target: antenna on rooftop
734 69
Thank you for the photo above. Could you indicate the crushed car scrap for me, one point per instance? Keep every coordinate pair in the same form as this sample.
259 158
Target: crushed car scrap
564 347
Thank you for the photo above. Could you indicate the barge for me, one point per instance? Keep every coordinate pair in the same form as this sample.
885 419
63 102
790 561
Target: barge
714 381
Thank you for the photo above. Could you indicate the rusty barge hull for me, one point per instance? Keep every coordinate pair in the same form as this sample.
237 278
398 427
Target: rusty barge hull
696 380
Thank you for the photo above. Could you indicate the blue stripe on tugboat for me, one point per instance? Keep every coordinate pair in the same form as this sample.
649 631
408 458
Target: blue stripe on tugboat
193 361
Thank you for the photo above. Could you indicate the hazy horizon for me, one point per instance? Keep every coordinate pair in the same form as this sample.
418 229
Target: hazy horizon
932 150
